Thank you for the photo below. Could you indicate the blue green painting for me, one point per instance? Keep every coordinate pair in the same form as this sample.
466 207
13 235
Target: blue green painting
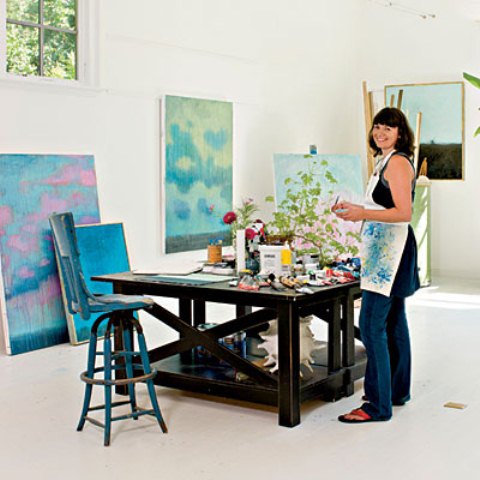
441 137
198 172
31 188
103 250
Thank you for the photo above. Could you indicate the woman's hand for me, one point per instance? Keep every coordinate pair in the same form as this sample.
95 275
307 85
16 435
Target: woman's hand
349 211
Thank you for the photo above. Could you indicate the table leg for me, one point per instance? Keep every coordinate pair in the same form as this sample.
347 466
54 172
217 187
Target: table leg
348 338
242 310
334 326
289 365
185 310
199 312
185 313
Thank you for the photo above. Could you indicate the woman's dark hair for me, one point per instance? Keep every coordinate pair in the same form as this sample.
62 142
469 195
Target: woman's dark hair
393 117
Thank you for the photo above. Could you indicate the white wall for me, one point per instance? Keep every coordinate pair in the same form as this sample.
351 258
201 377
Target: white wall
293 71
402 48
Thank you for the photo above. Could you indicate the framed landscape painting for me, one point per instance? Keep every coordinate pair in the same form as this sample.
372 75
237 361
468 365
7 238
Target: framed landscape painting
442 132
197 172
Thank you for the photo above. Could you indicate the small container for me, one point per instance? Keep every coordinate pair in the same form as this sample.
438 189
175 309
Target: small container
201 352
286 259
227 342
214 254
240 344
313 149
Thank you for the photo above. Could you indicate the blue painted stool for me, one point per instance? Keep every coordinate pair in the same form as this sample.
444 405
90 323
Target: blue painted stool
118 310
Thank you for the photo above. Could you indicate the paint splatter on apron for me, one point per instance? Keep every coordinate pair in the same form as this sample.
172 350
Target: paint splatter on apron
382 243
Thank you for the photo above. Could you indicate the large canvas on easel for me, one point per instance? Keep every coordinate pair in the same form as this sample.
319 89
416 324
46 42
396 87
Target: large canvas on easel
103 250
197 182
346 169
442 133
31 188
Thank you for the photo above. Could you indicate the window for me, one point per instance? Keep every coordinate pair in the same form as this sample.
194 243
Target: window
48 40
42 38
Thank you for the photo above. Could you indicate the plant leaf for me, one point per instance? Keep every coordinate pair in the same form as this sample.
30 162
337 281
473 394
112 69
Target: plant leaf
475 81
477 132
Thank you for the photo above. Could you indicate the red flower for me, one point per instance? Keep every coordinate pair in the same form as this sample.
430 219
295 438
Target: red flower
229 218
250 233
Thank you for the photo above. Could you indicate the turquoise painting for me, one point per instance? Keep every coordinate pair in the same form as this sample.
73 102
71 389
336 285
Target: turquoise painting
31 188
441 137
103 250
197 173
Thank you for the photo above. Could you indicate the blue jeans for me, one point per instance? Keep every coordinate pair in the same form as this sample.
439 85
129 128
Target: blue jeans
384 332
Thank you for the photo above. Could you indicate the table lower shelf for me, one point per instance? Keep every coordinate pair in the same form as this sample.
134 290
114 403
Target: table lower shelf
187 372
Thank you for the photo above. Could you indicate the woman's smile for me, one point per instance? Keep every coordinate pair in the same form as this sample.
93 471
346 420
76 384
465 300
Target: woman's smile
385 137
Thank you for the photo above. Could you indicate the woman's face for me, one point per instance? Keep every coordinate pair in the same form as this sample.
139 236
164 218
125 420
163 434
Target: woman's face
385 137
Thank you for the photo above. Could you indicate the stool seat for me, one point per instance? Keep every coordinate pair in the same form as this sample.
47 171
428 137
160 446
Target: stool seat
118 311
118 301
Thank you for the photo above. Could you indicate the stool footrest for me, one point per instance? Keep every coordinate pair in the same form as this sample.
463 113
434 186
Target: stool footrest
118 381
138 413
114 404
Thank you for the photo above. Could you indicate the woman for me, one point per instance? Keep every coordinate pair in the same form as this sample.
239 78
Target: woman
389 267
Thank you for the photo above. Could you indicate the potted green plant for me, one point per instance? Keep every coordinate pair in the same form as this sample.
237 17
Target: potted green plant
305 216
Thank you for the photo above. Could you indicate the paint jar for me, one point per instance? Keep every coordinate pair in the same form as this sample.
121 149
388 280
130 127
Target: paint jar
240 344
313 149
201 353
214 254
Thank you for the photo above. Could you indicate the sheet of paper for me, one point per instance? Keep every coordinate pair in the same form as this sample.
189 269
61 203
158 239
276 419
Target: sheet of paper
169 267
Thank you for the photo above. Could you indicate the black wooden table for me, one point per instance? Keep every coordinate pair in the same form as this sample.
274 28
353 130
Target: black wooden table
236 377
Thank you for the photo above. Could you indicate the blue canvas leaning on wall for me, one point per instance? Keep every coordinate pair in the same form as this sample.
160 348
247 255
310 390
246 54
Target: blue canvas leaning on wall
103 250
32 187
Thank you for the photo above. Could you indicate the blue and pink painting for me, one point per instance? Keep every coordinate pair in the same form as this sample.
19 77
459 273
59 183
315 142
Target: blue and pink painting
31 188
198 172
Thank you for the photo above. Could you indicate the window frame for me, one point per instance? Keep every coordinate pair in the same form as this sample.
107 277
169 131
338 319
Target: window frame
87 48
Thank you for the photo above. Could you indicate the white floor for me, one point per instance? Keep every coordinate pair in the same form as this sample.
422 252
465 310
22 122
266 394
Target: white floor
41 394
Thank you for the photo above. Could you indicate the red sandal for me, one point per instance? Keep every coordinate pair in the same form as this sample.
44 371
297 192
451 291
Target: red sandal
358 412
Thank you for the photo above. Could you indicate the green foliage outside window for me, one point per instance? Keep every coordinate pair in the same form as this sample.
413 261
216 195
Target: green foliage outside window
33 23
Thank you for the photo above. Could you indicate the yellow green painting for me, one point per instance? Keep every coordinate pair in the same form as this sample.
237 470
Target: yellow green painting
197 179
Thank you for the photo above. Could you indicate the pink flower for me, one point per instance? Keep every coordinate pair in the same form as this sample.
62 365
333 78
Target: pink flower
250 233
229 218
211 208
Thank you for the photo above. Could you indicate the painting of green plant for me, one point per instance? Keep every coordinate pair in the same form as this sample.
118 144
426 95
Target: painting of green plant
306 187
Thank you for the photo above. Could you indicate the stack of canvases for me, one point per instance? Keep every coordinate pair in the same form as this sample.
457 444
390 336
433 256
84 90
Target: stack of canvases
32 187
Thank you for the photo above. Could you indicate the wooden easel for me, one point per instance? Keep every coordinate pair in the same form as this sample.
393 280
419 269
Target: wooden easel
369 114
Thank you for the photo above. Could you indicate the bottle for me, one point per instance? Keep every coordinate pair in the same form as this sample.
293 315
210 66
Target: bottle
286 259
